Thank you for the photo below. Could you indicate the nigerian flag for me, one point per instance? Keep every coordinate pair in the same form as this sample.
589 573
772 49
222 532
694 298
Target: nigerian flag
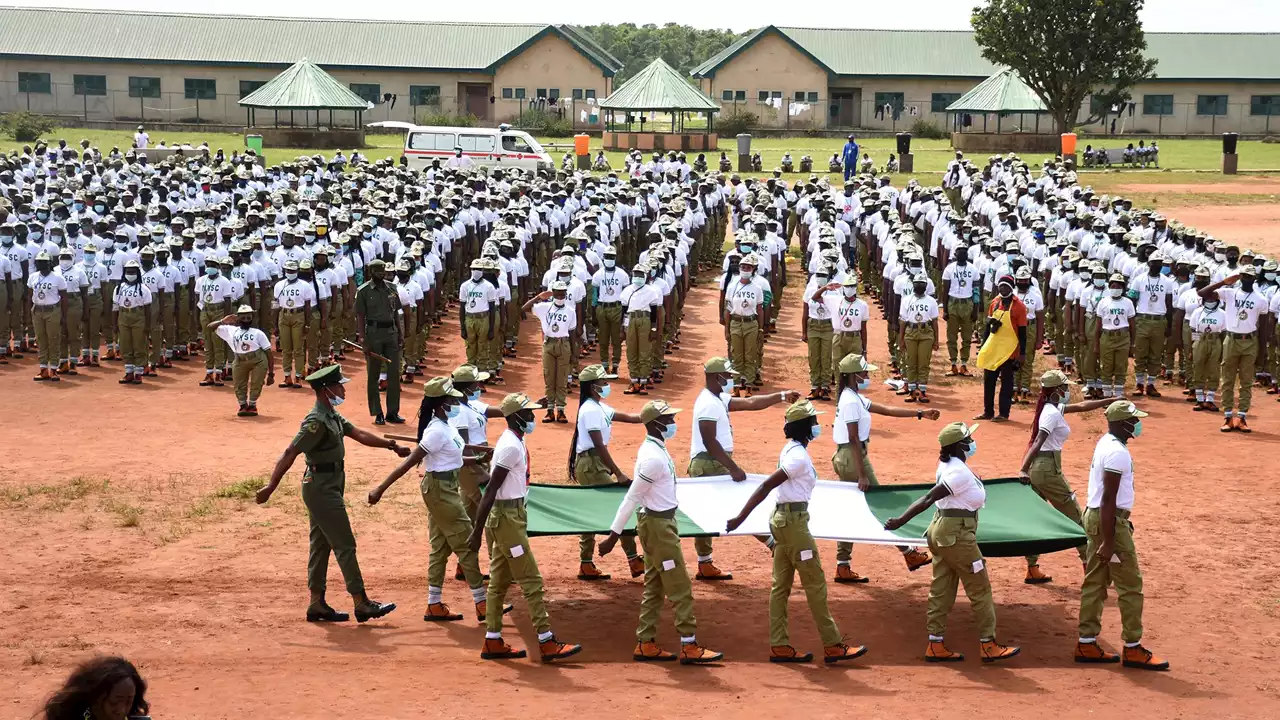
1014 522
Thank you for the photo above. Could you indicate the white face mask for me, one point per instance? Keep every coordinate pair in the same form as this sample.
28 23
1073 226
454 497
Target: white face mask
850 292
476 275
65 264
1099 283
90 259
1117 292
637 281
610 264
559 302
291 276
1220 257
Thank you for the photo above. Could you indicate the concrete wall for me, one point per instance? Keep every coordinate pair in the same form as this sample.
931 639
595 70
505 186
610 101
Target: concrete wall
551 62
774 65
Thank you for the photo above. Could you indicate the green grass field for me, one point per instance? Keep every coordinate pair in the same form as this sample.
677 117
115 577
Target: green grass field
1182 161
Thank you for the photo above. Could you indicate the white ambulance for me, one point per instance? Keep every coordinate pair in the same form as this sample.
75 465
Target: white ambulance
487 147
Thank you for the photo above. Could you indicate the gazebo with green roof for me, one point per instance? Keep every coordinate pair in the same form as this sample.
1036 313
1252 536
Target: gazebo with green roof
305 87
1004 95
658 95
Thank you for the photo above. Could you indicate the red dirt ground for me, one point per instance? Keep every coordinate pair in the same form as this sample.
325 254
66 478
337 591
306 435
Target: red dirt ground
1245 185
1254 226
207 594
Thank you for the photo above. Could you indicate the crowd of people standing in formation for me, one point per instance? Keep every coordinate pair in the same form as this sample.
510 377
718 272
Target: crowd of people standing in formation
201 253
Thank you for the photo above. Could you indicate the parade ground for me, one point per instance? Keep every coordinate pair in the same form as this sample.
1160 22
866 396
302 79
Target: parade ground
131 529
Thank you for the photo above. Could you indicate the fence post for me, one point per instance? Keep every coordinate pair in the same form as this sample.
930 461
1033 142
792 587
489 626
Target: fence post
197 109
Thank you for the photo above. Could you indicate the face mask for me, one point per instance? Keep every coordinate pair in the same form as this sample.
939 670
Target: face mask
1137 429
530 425
211 271
1220 257
637 281
558 302
815 432
605 390
746 249
64 264
669 431
727 387
122 246
452 411
131 277
1116 292
610 264
1270 277
246 324
746 275
476 275
272 242
6 239
972 449
850 292
291 276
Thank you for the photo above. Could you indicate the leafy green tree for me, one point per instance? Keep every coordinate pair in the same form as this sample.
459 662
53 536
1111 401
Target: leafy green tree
683 47
1065 50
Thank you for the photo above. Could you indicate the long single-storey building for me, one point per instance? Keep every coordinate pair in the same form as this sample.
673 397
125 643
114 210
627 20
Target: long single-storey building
173 67
888 79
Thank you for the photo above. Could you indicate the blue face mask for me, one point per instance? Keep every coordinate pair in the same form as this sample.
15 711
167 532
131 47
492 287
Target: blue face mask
473 395
727 387
211 271
1166 270
604 391
815 432
864 384
530 425
452 411
335 401
669 431
1137 429
637 281
972 449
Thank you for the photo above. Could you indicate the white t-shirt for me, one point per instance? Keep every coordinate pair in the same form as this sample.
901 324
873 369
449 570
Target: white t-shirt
743 299
130 296
1111 455
653 483
967 492
1154 293
294 295
243 341
918 309
1115 312
46 289
593 415
1052 422
510 453
801 477
1242 309
473 419
477 296
962 279
847 316
557 322
443 445
851 408
716 408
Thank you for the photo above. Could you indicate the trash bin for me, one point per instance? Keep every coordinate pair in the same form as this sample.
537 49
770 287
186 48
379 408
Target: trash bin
254 143
1068 144
744 153
904 143
582 151
1229 141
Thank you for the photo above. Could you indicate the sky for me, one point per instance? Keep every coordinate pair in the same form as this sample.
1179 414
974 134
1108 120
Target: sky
1157 16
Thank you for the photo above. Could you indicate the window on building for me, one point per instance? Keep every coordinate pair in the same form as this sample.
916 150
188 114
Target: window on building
553 94
726 95
89 84
1264 105
507 94
799 96
941 101
812 96
424 95
248 86
1211 104
199 88
520 94
29 82
144 87
896 99
1157 104
369 92
762 96
577 93
739 95
590 93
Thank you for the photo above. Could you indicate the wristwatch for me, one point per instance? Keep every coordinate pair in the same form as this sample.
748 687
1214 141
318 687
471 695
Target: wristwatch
919 414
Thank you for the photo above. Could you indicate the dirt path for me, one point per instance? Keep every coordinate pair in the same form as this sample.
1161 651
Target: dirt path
207 593
1242 186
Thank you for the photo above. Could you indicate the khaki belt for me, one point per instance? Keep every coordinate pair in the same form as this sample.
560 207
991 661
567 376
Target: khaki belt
511 503
957 513
794 507
1049 453
638 313
1113 332
1153 316
608 304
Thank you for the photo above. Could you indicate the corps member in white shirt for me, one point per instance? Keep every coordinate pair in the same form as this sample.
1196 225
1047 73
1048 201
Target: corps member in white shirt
918 337
47 290
1246 341
442 452
1042 463
665 577
794 550
606 288
591 463
953 539
960 311
559 318
1114 336
849 316
1112 554
131 317
711 449
503 516
471 422
852 461
252 350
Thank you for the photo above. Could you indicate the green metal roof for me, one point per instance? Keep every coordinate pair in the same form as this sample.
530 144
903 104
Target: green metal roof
953 53
304 86
658 87
242 40
1002 92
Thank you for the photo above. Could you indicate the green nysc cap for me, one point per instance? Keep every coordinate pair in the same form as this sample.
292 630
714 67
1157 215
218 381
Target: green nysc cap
440 387
954 433
655 409
469 373
800 410
595 372
324 377
855 363
719 365
1123 410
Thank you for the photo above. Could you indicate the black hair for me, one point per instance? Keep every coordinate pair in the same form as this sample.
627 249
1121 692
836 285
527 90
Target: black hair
954 450
799 430
91 681
584 394
427 410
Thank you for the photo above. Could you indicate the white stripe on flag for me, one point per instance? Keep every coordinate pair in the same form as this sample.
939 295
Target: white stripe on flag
837 510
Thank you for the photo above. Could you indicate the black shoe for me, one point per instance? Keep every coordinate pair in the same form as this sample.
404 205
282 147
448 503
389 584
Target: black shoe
395 419
371 610
326 614
379 420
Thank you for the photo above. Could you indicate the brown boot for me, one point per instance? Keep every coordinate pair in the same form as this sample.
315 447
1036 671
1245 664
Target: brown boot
938 652
694 654
650 652
846 575
589 571
916 559
482 609
1092 653
1241 426
439 612
1142 658
560 418
1229 425
993 651
955 370
1036 576
788 654
553 649
841 652
498 649
636 564
709 572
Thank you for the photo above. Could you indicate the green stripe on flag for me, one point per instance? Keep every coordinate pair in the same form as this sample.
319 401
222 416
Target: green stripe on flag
574 510
1015 522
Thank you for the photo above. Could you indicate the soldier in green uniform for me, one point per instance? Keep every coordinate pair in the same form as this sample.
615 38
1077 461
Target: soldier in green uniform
321 440
378 312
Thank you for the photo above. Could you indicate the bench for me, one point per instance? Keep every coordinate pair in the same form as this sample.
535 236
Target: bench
1123 157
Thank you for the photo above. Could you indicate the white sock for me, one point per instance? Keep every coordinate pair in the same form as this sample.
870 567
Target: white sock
704 558
1088 641
1240 415
433 595
1228 414
543 637
492 635
935 638
1133 644
1209 394
478 594
688 640
1199 395
843 562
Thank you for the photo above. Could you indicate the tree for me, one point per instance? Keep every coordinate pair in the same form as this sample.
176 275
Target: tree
681 46
1065 50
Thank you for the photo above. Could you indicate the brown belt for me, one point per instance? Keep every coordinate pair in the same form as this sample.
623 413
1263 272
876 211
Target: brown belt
957 513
